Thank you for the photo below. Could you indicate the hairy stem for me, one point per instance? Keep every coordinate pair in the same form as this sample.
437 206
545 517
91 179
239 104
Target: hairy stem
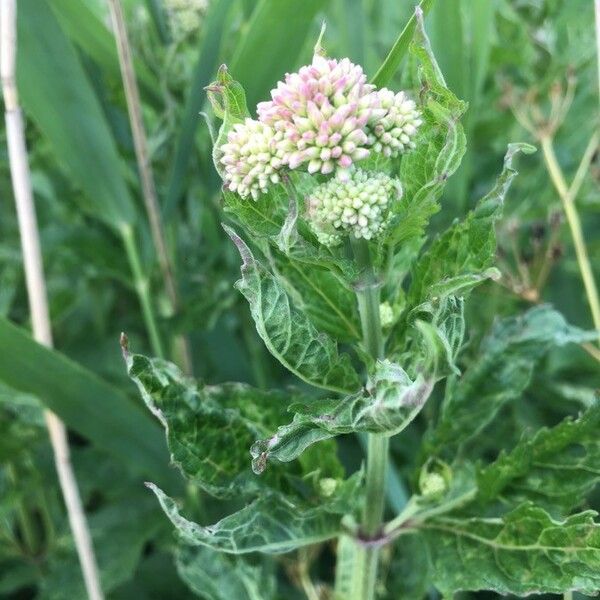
143 289
568 203
367 558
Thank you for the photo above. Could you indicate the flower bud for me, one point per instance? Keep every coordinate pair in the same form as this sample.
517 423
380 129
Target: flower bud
392 131
354 202
251 158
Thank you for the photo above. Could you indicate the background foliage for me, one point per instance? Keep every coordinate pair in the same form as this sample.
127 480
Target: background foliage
87 194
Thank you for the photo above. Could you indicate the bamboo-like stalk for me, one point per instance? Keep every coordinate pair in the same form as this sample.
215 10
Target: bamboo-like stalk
136 122
36 288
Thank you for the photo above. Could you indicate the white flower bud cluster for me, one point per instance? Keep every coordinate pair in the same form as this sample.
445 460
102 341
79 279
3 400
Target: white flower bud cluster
251 158
393 133
357 203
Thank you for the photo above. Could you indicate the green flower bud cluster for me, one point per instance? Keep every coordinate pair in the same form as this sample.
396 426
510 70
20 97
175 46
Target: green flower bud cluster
355 203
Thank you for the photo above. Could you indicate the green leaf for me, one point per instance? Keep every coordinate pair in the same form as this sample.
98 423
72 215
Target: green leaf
389 403
269 49
392 61
261 218
502 371
320 294
94 38
524 552
463 255
557 467
57 95
216 576
119 534
209 428
288 333
87 404
440 146
271 524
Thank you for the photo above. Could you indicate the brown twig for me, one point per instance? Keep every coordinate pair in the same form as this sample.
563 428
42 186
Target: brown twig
136 122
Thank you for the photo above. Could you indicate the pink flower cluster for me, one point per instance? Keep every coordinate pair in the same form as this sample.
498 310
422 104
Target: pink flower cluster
322 112
324 118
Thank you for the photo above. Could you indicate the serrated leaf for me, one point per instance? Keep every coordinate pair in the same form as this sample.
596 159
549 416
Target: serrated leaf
209 428
271 524
463 255
389 403
216 576
288 333
228 101
557 467
439 149
260 218
501 372
524 552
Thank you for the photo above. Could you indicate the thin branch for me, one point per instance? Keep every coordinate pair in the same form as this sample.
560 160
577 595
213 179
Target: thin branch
36 288
144 167
558 179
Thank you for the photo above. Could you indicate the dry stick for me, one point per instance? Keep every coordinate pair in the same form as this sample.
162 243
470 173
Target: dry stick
141 152
36 288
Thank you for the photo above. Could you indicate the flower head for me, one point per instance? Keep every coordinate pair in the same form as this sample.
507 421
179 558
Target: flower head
321 112
393 126
251 158
358 204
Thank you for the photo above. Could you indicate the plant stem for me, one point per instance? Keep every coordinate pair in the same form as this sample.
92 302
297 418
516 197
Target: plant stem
36 289
568 202
142 288
366 561
134 109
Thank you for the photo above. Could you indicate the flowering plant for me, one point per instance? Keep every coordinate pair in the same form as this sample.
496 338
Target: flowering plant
330 191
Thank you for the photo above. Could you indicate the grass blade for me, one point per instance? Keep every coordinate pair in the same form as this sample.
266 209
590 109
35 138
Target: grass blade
57 95
86 403
392 61
89 33
274 39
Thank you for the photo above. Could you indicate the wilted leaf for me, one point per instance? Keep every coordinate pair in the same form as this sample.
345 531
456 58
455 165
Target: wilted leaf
288 333
388 404
271 524
209 428
524 552
501 372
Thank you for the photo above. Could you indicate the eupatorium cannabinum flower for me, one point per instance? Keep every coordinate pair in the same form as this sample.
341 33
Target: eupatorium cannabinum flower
325 118
322 111
358 205
251 158
393 132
